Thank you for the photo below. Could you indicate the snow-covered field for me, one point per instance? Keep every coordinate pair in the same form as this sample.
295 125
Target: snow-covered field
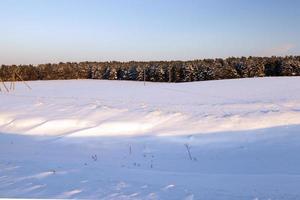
226 139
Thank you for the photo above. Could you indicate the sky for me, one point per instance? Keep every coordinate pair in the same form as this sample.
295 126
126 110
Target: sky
43 31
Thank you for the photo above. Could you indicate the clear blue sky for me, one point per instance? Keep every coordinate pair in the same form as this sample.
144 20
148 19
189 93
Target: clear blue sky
40 31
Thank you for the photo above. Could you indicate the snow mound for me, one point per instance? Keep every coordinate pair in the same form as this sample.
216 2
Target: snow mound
79 108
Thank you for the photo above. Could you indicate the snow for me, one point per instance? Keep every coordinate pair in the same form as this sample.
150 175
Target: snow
123 140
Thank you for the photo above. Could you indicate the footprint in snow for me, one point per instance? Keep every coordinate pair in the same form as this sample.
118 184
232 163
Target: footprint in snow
152 195
144 186
121 185
189 197
168 187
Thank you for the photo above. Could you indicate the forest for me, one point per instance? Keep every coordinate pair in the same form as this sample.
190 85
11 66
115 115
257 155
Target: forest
158 71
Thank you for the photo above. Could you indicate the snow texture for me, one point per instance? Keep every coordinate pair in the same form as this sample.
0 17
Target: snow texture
96 139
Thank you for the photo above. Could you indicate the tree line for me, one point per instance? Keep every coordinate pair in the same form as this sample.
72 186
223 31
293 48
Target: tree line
159 71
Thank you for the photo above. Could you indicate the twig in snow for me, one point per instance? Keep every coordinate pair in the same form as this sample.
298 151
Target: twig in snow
7 90
22 80
144 76
151 164
94 157
188 148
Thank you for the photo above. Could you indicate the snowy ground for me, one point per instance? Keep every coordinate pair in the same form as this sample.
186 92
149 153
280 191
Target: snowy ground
124 140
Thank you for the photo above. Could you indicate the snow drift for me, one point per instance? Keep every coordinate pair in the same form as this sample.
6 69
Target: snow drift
98 108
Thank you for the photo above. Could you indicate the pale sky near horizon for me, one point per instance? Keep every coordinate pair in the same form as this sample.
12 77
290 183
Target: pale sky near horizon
42 31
